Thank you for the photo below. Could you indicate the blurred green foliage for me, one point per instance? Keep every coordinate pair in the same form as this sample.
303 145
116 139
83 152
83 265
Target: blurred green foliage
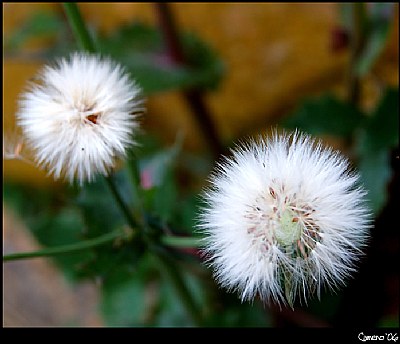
371 136
377 19
42 24
133 290
138 47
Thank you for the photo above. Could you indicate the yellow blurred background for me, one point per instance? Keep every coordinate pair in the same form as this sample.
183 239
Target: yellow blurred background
275 55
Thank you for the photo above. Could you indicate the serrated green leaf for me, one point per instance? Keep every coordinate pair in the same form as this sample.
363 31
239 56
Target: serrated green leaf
325 115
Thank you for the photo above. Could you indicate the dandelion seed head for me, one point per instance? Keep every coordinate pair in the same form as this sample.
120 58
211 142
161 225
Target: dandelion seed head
285 217
80 116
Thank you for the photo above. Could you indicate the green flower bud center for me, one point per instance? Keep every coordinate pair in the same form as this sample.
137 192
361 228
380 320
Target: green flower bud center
289 230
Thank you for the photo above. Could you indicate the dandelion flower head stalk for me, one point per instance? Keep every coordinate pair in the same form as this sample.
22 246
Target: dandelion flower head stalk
80 116
284 218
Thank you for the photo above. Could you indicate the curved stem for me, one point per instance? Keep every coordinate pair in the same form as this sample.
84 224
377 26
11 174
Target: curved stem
124 208
78 27
165 261
181 242
86 42
66 249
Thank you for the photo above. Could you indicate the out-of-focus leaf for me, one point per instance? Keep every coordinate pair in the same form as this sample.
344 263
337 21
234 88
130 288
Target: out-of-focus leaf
52 223
172 311
375 141
326 307
130 295
325 115
389 321
40 24
185 219
378 28
375 172
62 228
141 49
382 127
160 190
345 15
233 313
99 208
376 20
102 215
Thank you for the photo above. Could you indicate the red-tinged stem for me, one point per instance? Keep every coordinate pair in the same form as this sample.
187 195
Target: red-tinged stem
193 97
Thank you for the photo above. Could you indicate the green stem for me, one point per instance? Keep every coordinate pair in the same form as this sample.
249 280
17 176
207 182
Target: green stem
357 38
134 172
65 249
181 242
165 261
78 27
124 208
83 37
168 267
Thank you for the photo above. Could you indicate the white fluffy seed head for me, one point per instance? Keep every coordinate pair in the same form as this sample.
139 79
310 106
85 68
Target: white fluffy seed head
80 116
284 218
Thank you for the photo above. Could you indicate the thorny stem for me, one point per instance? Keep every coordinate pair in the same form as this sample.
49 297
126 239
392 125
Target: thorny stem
66 249
192 96
78 27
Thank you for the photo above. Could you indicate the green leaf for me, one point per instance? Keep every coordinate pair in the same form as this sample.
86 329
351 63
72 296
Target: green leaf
52 222
141 49
101 214
129 295
99 209
374 144
389 321
172 310
231 312
40 24
379 22
158 180
325 115
375 173
382 127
